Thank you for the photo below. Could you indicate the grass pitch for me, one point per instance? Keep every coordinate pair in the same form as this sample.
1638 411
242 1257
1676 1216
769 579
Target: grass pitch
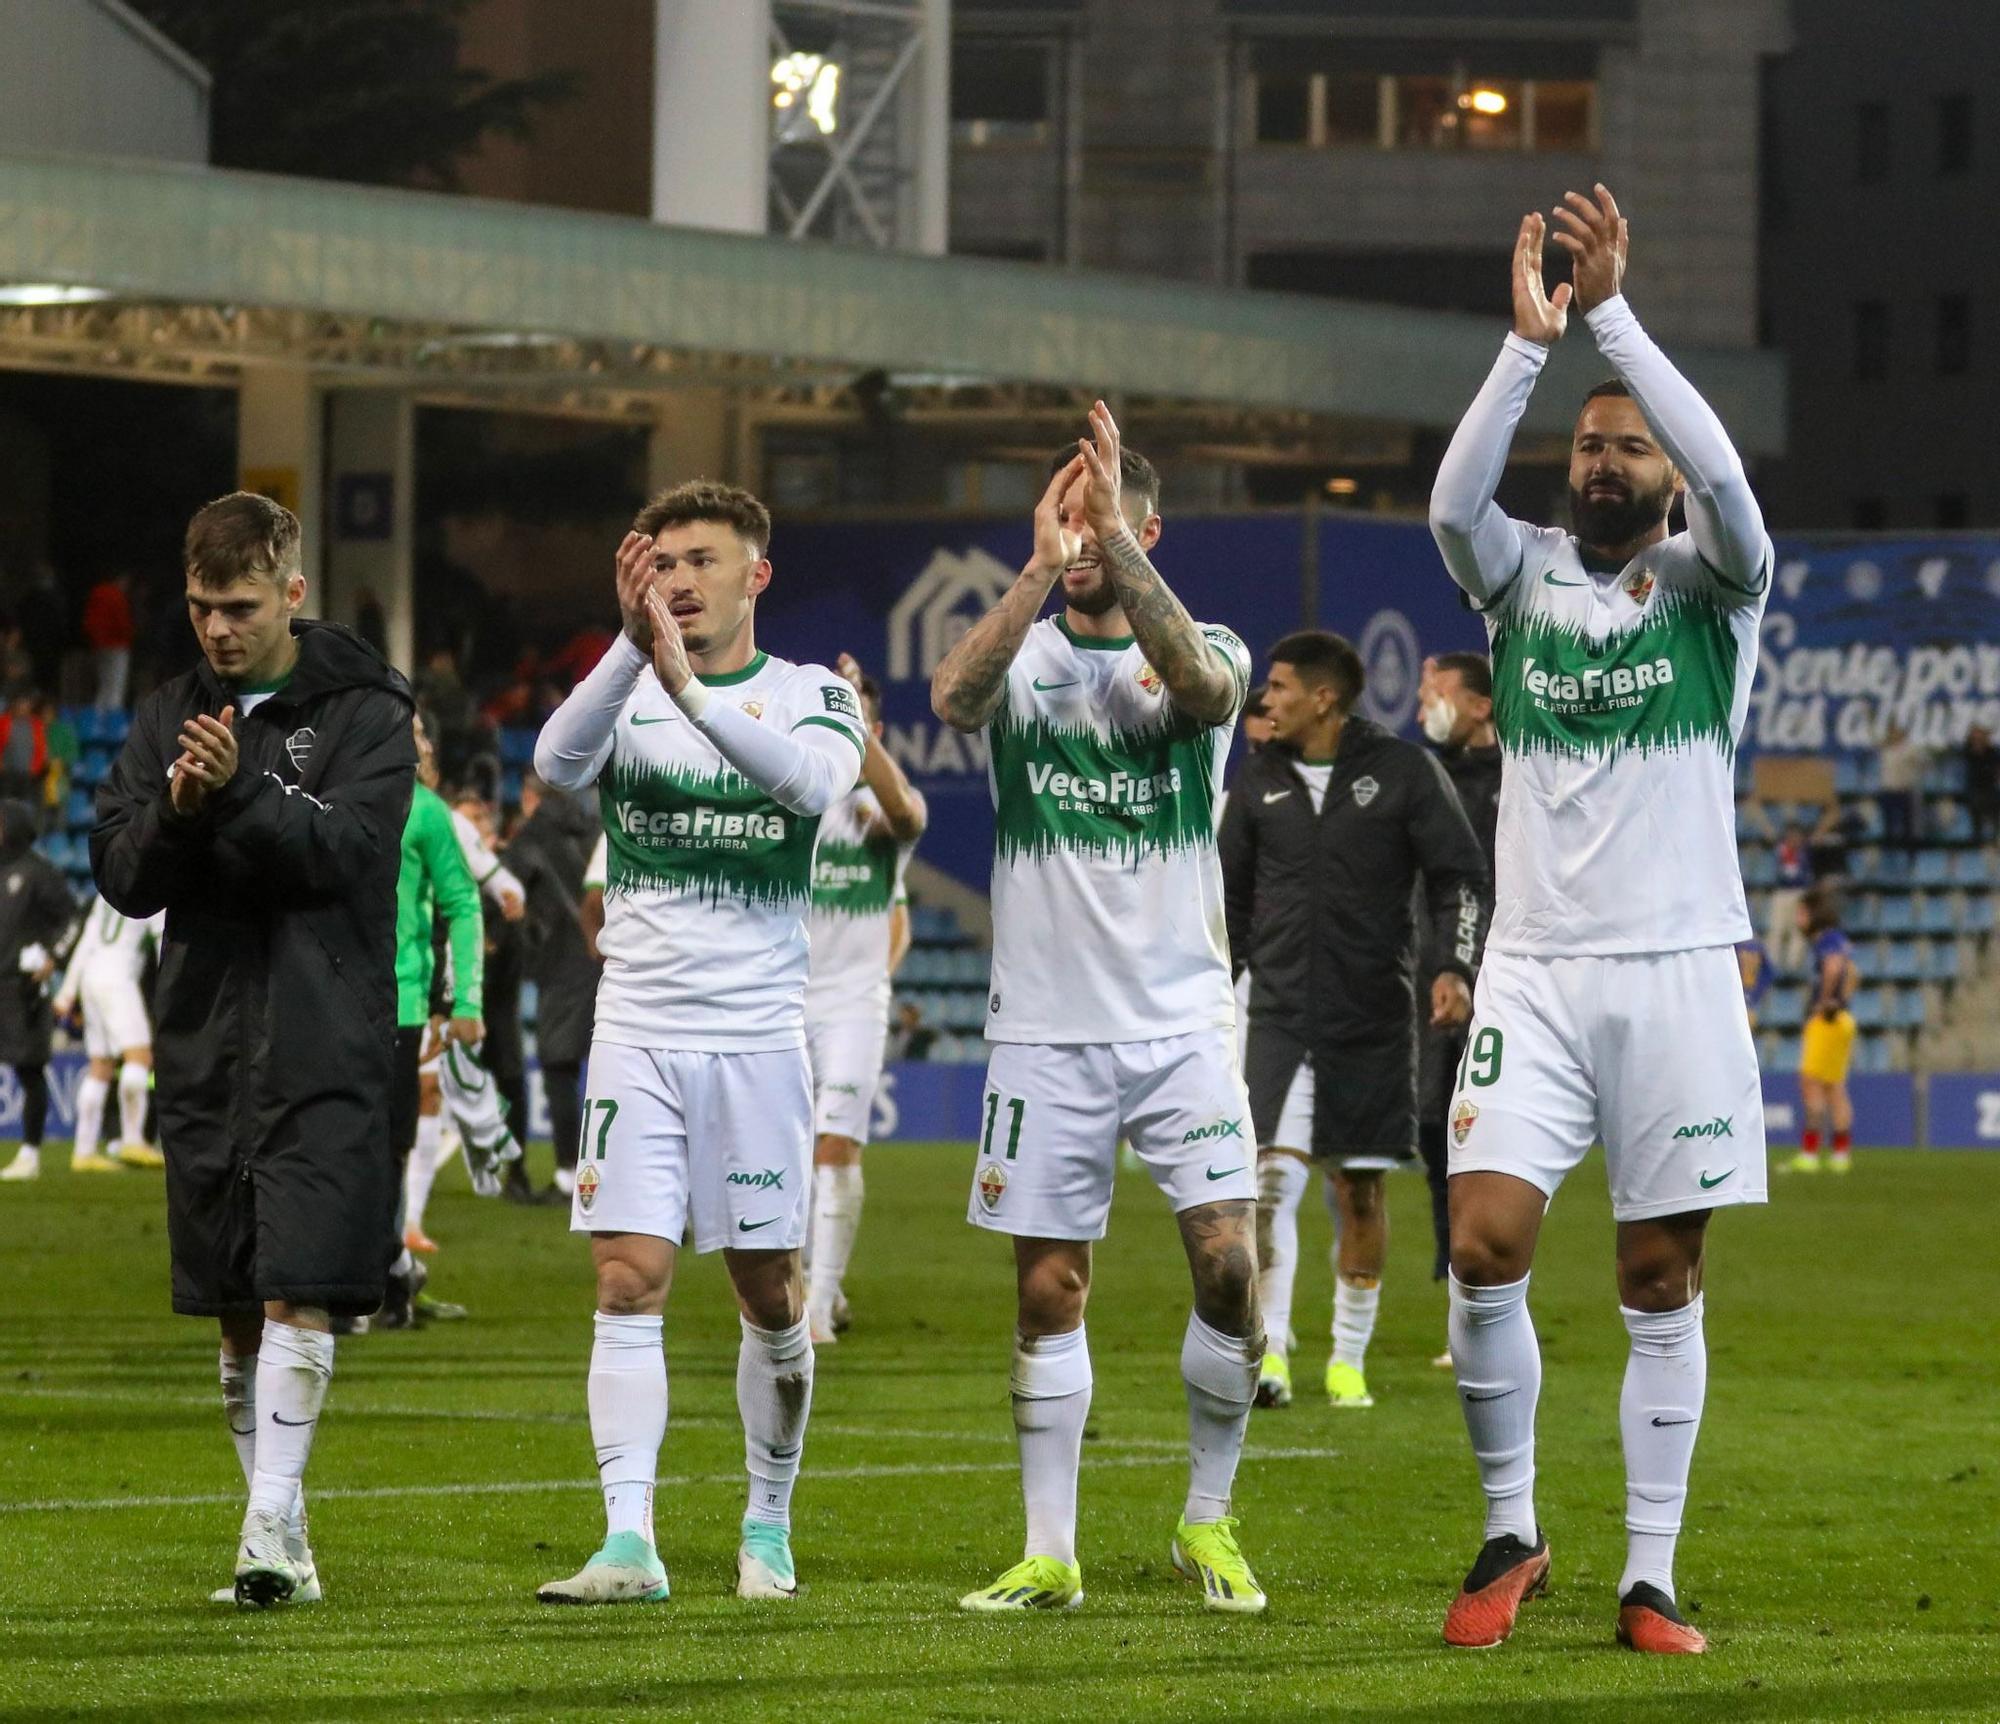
1840 1550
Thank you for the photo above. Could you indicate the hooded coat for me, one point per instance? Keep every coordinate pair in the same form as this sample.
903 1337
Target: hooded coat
36 909
550 853
276 999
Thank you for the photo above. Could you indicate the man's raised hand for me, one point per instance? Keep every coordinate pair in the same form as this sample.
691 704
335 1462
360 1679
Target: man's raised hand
1597 239
1100 452
635 581
670 659
1538 315
207 760
1055 545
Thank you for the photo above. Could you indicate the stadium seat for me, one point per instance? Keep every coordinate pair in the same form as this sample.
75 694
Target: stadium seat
1977 916
1760 867
1847 776
1894 868
1868 1008
1785 1009
1972 868
1786 1058
1932 868
517 746
1900 962
1935 915
1911 1010
1954 824
1943 962
1895 915
80 812
92 769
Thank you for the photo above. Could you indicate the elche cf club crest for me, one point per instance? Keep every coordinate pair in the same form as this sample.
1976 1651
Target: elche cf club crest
587 1181
992 1184
1639 586
1149 678
299 745
1365 789
1462 1117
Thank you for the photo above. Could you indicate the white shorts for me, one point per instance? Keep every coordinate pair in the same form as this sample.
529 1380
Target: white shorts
114 1017
1053 1115
1295 1129
846 1067
717 1145
1650 1053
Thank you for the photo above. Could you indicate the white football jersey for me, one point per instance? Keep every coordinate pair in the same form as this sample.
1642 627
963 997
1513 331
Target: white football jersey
1107 891
708 879
113 946
857 882
1619 697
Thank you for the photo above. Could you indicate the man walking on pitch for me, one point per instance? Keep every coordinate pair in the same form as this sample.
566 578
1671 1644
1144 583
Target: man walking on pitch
1329 828
860 929
258 801
1609 1004
714 764
1111 1012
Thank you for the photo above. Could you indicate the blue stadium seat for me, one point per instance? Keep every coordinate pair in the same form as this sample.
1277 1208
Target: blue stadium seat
1786 1058
517 746
1942 962
80 812
1954 827
1896 916
1933 868
1847 776
1869 772
1893 867
1866 822
1864 914
1935 915
1785 1009
1760 867
1972 868
1946 776
93 767
1749 827
1977 916
1868 1008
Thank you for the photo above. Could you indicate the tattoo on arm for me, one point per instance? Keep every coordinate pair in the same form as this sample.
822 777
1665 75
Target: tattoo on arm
968 684
1200 684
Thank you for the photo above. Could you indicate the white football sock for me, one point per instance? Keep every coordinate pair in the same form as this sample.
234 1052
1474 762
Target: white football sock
774 1390
1281 1185
836 1218
294 1366
134 1080
1354 1311
91 1095
1659 1412
1220 1372
1499 1366
628 1417
239 1409
420 1171
1051 1390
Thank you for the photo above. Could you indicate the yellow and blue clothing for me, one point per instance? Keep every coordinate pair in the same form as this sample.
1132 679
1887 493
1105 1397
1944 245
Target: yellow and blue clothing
1829 1041
1756 974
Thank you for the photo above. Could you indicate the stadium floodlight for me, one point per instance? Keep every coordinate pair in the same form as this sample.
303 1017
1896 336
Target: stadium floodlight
1485 101
811 82
49 293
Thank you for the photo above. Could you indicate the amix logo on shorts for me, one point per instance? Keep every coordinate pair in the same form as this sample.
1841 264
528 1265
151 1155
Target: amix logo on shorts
1221 1128
768 1179
1717 1127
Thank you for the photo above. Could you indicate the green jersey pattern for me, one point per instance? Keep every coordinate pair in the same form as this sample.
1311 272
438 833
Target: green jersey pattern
1665 685
1112 792
854 879
712 835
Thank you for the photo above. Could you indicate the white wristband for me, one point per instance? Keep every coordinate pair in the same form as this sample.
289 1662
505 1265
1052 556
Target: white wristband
693 699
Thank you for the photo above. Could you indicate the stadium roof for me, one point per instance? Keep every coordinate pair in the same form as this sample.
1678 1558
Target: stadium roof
205 271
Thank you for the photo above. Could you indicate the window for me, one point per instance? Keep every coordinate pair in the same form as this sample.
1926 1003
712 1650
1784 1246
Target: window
1871 141
999 91
1285 111
1871 514
1954 134
1399 95
1952 510
1871 341
1954 335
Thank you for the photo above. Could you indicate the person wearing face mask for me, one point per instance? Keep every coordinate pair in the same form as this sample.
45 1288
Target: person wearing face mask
1455 708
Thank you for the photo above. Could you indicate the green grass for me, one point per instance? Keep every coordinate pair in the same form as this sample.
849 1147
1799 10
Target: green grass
1840 1542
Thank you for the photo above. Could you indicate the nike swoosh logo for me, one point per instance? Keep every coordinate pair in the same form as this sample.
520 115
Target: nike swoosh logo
787 1454
295 1424
250 1432
1497 1395
1708 1184
1661 1424
1042 687
1276 795
639 719
752 1226
1224 1173
1549 579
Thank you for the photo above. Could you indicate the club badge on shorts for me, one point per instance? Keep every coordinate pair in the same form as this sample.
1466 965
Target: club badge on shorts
586 1184
1462 1117
992 1184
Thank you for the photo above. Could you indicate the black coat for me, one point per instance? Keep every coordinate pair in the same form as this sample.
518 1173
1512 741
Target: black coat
1319 906
276 998
550 854
35 909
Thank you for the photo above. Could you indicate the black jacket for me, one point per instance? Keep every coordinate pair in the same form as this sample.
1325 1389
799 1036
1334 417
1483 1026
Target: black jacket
550 854
1319 907
1475 775
276 999
36 909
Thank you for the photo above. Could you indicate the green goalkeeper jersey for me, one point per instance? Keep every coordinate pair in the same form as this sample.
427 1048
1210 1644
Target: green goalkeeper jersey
435 878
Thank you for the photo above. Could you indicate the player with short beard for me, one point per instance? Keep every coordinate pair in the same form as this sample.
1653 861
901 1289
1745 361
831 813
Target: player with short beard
1111 1011
1609 1004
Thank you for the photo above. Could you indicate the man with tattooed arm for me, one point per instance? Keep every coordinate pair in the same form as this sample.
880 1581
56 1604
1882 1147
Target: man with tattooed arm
1112 1013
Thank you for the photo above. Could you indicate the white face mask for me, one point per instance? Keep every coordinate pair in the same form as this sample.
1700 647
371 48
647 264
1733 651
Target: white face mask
1440 719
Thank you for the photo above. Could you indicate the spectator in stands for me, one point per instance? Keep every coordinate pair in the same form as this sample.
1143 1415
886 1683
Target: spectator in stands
910 1037
24 750
1982 783
369 622
44 626
1900 781
1783 941
107 631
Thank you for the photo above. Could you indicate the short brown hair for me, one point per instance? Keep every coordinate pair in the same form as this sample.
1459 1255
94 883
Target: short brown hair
707 500
241 534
